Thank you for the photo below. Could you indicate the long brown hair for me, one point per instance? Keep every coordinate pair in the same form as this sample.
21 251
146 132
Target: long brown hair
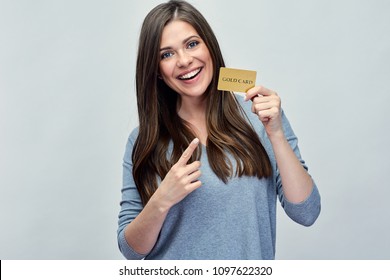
228 130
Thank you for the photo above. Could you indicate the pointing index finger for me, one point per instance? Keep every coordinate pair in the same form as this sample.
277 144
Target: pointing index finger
188 152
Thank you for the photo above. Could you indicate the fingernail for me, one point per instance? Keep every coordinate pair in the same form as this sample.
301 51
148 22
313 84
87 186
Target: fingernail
195 141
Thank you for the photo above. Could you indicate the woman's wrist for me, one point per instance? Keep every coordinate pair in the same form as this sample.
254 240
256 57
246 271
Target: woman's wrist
159 204
277 137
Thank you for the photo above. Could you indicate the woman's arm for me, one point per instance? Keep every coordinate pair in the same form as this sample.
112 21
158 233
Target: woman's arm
297 183
142 233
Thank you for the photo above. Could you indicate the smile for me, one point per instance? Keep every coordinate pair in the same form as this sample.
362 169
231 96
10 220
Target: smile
190 75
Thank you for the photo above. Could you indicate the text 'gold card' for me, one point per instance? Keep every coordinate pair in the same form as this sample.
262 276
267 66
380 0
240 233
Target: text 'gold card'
236 79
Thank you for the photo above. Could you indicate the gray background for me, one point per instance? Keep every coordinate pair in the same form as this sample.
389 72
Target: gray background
67 105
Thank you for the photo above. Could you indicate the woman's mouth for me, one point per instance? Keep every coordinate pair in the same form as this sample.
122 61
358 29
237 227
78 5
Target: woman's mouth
190 75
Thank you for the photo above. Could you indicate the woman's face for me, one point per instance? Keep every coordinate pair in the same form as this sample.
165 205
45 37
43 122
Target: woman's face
185 65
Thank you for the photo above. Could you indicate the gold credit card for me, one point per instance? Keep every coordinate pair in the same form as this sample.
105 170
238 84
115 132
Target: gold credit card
236 79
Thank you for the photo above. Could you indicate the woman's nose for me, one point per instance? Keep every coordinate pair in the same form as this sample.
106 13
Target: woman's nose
184 59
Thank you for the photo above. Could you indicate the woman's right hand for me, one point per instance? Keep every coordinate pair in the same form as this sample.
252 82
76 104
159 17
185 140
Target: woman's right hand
181 180
142 233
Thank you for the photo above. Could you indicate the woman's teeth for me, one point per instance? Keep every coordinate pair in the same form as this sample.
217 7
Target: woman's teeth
190 75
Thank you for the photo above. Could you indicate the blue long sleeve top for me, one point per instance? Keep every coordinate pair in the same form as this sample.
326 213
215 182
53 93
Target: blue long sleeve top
236 220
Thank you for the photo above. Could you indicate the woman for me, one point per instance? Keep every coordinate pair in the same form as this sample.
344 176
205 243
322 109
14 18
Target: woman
203 170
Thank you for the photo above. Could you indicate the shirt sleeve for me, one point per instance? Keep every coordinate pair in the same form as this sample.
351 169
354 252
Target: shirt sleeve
131 204
306 212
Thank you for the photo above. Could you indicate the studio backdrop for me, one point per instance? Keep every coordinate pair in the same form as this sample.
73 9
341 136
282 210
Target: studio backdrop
67 106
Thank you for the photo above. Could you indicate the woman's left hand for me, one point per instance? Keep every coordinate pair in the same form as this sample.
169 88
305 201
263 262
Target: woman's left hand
266 104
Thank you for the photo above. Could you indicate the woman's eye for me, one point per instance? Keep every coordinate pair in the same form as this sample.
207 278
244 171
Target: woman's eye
192 44
166 55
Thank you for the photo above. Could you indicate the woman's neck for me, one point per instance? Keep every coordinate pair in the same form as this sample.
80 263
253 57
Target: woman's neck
192 109
194 112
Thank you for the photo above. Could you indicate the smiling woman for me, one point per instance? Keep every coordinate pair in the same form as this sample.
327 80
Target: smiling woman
202 174
186 65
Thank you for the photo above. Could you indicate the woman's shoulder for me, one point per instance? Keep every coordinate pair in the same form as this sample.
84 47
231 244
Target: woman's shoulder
132 137
246 105
134 133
